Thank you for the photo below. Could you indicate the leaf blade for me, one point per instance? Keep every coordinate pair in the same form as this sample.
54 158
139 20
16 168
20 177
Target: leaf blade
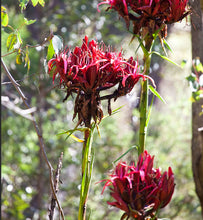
34 2
154 91
19 58
28 22
4 17
133 147
27 59
11 41
50 51
166 58
42 3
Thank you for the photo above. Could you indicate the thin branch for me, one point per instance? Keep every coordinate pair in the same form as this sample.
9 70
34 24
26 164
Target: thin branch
56 187
4 55
20 80
5 101
41 142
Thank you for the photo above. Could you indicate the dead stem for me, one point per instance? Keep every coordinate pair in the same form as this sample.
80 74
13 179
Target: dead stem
56 187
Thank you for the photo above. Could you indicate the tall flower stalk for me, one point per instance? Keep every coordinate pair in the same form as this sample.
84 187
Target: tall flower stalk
142 190
87 166
149 19
87 71
144 105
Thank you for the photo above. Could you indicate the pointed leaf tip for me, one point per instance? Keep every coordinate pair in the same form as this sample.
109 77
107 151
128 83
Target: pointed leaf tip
154 91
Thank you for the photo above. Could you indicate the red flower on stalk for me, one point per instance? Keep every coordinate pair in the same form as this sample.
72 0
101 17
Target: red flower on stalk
150 14
178 11
90 69
140 190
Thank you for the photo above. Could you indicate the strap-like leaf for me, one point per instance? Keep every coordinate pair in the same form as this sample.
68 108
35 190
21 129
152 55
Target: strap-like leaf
167 45
133 147
71 131
166 58
154 91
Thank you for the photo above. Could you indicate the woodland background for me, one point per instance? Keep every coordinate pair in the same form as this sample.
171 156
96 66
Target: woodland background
25 177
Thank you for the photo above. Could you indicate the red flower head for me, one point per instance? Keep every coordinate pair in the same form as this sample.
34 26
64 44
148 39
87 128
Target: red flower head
140 190
90 69
150 14
177 11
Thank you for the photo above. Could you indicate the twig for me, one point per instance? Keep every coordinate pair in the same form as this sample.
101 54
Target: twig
5 101
41 142
20 80
56 187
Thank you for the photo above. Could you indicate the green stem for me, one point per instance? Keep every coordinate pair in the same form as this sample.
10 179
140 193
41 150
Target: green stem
144 99
87 164
143 117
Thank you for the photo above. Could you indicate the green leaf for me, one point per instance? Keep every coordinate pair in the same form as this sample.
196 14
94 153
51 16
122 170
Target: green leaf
142 46
34 2
8 29
19 58
42 3
166 58
194 84
76 138
4 17
167 45
70 133
73 130
133 147
155 34
183 63
50 51
191 77
89 168
11 41
115 111
198 66
19 38
27 59
23 4
57 43
154 91
28 22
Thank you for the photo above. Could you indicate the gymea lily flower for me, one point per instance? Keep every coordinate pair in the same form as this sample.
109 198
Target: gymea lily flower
90 69
150 14
140 190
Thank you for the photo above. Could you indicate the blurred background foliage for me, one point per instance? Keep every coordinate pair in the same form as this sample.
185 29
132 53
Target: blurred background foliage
25 178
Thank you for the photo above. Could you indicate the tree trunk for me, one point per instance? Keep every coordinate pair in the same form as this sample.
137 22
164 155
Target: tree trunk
197 118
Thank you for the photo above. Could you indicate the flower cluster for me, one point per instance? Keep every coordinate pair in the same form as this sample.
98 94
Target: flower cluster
90 69
149 14
140 190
